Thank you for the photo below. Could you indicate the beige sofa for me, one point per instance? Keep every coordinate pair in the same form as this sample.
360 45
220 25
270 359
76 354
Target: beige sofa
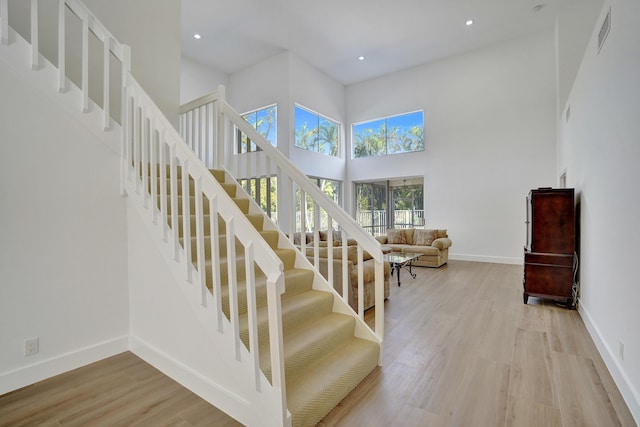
432 245
352 265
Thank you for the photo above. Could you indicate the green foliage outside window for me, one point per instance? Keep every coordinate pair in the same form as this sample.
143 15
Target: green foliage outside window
316 133
390 135
265 122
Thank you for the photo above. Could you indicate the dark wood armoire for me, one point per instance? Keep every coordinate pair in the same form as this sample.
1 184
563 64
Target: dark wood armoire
550 260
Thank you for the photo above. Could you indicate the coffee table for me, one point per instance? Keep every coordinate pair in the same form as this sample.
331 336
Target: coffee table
399 260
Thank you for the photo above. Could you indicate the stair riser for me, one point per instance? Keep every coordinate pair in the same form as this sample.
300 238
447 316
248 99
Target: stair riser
302 308
222 247
192 205
230 189
168 184
288 257
295 363
241 272
192 225
270 237
218 175
293 319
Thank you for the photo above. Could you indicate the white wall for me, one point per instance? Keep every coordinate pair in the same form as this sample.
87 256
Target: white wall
171 330
198 80
574 26
152 29
265 83
63 261
316 91
600 149
489 134
283 79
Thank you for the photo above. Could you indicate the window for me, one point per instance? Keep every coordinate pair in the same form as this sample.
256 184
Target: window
265 122
405 209
407 204
331 188
316 133
390 135
264 191
371 206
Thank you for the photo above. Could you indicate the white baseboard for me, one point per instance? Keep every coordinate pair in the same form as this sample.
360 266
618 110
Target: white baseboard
484 258
628 391
226 401
27 375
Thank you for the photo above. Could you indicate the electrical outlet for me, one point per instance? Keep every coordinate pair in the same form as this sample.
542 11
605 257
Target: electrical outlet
621 350
31 347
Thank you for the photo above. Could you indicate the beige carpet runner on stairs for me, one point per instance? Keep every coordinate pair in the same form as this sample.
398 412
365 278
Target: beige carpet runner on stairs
324 361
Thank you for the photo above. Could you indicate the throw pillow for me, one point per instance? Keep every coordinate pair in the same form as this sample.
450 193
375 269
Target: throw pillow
396 237
424 237
441 233
296 239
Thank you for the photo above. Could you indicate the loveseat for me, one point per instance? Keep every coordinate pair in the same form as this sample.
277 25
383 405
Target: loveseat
352 265
432 245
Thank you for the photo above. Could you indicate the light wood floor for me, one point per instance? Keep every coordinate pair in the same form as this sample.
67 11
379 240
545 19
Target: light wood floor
461 349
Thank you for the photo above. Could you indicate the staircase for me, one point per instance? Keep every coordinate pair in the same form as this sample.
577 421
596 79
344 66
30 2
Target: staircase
288 346
323 359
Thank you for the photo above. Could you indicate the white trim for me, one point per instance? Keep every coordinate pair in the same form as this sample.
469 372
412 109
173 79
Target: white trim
27 375
626 387
484 258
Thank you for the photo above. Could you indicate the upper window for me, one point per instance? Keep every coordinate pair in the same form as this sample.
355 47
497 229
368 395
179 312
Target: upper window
265 122
390 135
316 133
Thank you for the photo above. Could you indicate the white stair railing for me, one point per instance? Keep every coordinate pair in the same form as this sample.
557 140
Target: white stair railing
210 119
155 162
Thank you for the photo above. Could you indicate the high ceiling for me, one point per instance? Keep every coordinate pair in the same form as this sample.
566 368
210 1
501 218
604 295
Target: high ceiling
332 34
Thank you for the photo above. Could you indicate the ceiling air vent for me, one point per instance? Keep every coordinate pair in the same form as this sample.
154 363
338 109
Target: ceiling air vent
604 30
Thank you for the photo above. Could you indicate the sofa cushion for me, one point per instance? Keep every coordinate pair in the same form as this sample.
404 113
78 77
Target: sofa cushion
409 236
425 250
441 233
442 243
423 237
324 236
296 238
352 253
396 237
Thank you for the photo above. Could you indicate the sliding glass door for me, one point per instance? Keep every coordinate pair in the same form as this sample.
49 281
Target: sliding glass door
371 206
405 208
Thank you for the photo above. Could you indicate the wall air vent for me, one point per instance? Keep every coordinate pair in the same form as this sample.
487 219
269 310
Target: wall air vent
604 30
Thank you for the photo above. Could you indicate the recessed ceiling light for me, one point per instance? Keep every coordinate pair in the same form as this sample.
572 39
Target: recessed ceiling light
197 36
469 22
360 58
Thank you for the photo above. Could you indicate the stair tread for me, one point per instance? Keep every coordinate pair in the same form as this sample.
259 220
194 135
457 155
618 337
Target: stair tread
323 359
296 309
308 341
329 380
290 276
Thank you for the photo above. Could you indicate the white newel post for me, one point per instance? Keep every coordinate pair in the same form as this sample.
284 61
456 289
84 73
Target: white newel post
275 289
85 61
35 50
4 21
125 116
219 141
106 49
62 76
